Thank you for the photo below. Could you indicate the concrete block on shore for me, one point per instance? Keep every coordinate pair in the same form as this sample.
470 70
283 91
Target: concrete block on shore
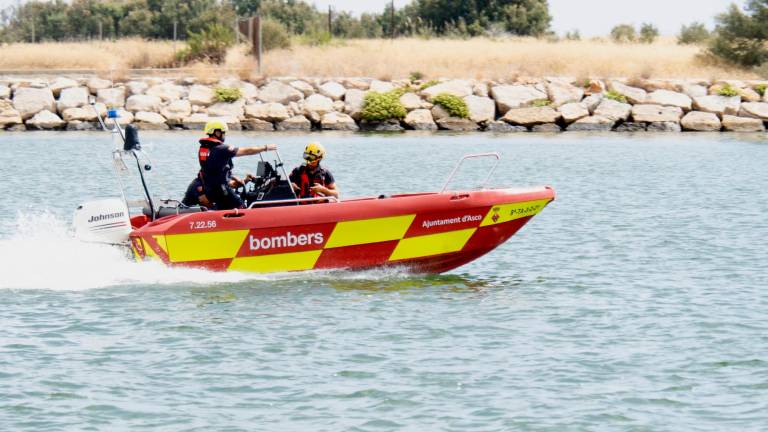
742 124
295 123
664 126
656 113
508 97
531 116
420 119
595 123
29 101
757 110
701 122
45 120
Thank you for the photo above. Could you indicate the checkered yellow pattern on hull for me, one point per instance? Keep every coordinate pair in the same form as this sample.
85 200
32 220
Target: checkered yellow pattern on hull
229 245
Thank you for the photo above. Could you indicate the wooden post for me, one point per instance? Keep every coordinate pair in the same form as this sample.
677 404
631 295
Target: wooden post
259 42
330 20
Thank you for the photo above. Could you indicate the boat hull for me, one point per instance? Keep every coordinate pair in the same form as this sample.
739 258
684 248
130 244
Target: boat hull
425 233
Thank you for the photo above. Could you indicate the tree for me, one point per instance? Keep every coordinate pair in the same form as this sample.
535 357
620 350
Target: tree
520 17
648 33
695 33
740 36
623 33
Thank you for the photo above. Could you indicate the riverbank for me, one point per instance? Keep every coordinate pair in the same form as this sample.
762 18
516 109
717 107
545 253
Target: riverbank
288 103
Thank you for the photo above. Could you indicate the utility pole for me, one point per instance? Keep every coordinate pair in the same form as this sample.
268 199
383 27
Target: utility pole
175 25
330 29
392 21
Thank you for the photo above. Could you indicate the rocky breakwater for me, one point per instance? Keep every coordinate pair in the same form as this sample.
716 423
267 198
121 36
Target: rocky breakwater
285 104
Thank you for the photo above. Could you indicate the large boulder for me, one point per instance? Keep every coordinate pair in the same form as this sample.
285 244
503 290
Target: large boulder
201 95
338 121
5 92
504 127
381 86
592 101
438 112
45 120
271 112
228 109
353 103
594 124
656 113
30 101
634 95
749 95
701 122
60 84
458 88
561 93
670 98
73 97
613 110
257 125
547 128
81 114
197 121
663 127
694 90
481 109
531 116
457 124
95 84
573 111
136 87
111 97
333 90
717 104
167 92
176 111
295 123
515 96
304 87
124 117
150 121
411 101
420 119
357 83
757 110
278 92
318 104
9 116
742 124
138 103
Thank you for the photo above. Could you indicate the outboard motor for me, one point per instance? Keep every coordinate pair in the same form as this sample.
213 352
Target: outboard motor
103 221
131 138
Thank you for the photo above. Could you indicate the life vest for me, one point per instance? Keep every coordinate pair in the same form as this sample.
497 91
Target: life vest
206 143
308 180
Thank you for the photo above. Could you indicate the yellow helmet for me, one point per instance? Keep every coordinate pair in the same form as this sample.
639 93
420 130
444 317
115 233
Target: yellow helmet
314 152
212 125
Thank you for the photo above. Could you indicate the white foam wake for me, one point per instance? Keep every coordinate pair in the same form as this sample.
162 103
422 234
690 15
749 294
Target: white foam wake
38 251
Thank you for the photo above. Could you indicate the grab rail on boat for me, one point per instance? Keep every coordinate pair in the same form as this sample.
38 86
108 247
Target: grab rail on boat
474 156
295 200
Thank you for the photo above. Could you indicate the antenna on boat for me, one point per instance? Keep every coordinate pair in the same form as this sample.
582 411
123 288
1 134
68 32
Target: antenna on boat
130 138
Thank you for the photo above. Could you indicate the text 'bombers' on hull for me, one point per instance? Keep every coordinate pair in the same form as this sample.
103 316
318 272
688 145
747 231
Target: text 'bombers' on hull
430 232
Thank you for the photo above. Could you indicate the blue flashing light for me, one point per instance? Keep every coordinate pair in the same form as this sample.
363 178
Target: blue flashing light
112 114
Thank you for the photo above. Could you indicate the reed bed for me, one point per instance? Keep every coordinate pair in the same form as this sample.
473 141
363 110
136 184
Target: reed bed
480 58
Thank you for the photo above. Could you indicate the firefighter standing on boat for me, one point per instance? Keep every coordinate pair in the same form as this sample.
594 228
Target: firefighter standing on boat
215 176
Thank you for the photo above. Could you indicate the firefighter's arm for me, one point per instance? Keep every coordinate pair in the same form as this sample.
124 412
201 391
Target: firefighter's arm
247 151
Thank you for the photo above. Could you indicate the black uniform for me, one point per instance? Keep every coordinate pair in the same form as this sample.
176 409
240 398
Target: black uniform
215 171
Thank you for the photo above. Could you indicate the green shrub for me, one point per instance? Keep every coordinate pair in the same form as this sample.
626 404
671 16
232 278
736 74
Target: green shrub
614 95
226 94
740 36
541 103
693 34
648 33
573 35
274 35
623 33
209 45
428 84
727 90
382 106
760 89
416 76
455 105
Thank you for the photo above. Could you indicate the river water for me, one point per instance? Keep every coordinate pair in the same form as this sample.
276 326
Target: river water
637 301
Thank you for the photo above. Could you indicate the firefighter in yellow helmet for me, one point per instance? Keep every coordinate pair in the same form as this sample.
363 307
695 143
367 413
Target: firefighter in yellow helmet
310 180
215 177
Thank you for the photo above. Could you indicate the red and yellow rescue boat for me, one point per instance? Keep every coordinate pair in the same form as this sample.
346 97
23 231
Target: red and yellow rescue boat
427 232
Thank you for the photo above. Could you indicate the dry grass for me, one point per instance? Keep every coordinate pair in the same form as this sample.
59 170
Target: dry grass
494 59
390 59
100 56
